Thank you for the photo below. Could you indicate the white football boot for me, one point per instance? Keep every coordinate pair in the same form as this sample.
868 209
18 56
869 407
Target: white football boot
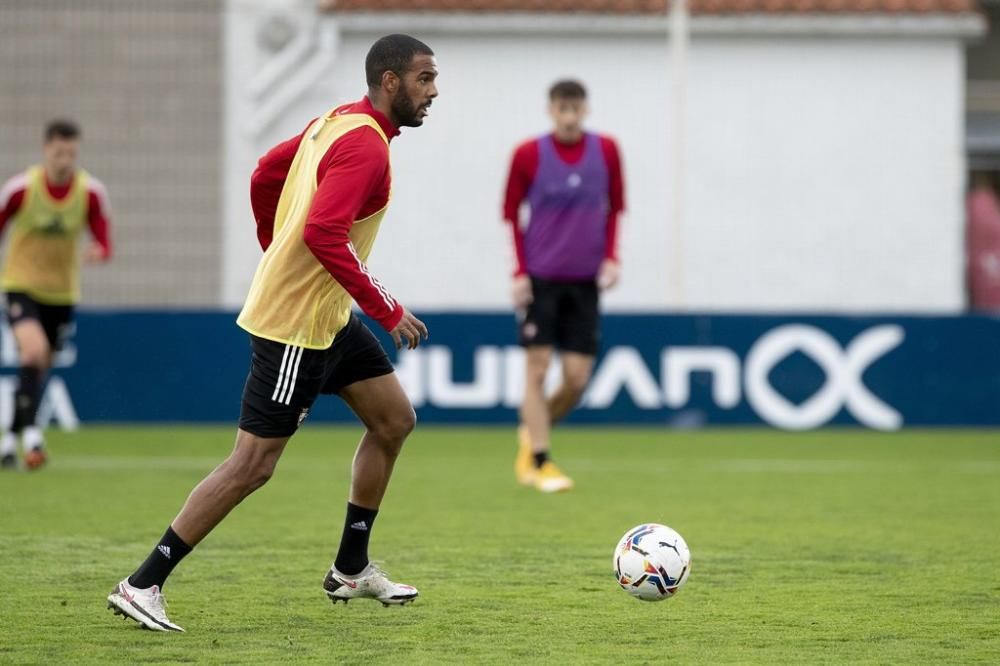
147 607
371 583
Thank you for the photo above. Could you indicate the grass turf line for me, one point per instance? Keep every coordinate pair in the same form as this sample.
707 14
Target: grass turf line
824 547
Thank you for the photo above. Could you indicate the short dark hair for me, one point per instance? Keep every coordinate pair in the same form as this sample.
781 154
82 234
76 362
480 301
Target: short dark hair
567 89
61 129
392 53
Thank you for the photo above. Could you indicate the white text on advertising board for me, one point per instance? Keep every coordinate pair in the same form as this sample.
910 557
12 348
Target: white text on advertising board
497 377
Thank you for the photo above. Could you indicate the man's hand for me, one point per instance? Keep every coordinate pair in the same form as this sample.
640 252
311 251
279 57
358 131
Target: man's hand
94 253
410 329
520 291
608 274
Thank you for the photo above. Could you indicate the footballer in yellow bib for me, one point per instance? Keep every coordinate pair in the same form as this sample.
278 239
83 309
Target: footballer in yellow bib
319 200
45 210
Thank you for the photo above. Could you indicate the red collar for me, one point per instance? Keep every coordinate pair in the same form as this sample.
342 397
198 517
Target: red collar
58 192
364 105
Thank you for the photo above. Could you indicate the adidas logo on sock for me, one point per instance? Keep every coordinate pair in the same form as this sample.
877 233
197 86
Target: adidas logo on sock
165 550
360 525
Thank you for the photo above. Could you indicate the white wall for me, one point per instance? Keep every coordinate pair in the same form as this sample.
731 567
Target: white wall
821 173
824 174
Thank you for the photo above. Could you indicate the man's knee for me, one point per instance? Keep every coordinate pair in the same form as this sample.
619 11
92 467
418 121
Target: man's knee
252 464
261 473
251 473
536 368
395 427
576 382
34 355
32 345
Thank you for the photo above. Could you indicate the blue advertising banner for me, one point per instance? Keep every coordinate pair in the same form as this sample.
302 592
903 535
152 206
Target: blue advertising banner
791 372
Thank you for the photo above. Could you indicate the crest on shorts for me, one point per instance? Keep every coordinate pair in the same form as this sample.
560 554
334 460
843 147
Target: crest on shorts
303 414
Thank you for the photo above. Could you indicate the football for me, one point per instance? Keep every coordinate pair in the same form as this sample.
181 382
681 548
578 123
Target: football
651 562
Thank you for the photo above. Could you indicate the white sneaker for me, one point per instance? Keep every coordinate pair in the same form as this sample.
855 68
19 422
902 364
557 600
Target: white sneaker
371 583
147 607
32 438
8 444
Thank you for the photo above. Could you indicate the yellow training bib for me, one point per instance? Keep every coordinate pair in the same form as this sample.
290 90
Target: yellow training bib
293 299
42 258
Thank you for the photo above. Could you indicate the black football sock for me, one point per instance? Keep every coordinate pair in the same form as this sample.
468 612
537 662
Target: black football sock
541 458
167 555
352 557
29 380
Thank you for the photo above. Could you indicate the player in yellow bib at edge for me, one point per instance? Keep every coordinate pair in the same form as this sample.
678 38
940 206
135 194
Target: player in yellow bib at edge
47 208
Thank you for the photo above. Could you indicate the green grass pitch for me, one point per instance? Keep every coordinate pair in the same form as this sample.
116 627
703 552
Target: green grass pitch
828 547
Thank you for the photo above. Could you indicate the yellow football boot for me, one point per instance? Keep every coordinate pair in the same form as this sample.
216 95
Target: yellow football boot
550 479
524 463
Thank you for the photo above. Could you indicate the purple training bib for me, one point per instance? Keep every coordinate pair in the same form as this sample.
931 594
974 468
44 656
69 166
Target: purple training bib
565 238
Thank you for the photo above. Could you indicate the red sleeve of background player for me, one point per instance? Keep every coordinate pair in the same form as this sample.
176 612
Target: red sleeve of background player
11 197
355 167
616 195
523 167
266 184
98 216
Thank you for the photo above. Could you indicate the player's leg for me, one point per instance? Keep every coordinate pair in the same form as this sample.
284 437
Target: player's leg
34 351
56 322
282 385
364 378
385 411
576 369
246 469
576 335
538 335
537 420
534 407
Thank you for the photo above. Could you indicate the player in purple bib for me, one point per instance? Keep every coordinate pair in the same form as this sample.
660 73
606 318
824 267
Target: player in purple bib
566 250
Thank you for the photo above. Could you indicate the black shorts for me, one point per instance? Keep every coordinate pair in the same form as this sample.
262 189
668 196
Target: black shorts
56 320
285 380
563 315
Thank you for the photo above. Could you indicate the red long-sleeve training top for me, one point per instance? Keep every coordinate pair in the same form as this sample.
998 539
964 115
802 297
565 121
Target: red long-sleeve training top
353 182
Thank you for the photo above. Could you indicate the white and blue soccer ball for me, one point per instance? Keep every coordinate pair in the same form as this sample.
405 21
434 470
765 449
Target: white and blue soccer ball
651 562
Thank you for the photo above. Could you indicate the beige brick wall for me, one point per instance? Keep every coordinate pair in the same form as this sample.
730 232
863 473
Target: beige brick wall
144 80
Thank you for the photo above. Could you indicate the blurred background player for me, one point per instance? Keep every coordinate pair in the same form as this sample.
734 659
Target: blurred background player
47 207
318 199
983 242
565 253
